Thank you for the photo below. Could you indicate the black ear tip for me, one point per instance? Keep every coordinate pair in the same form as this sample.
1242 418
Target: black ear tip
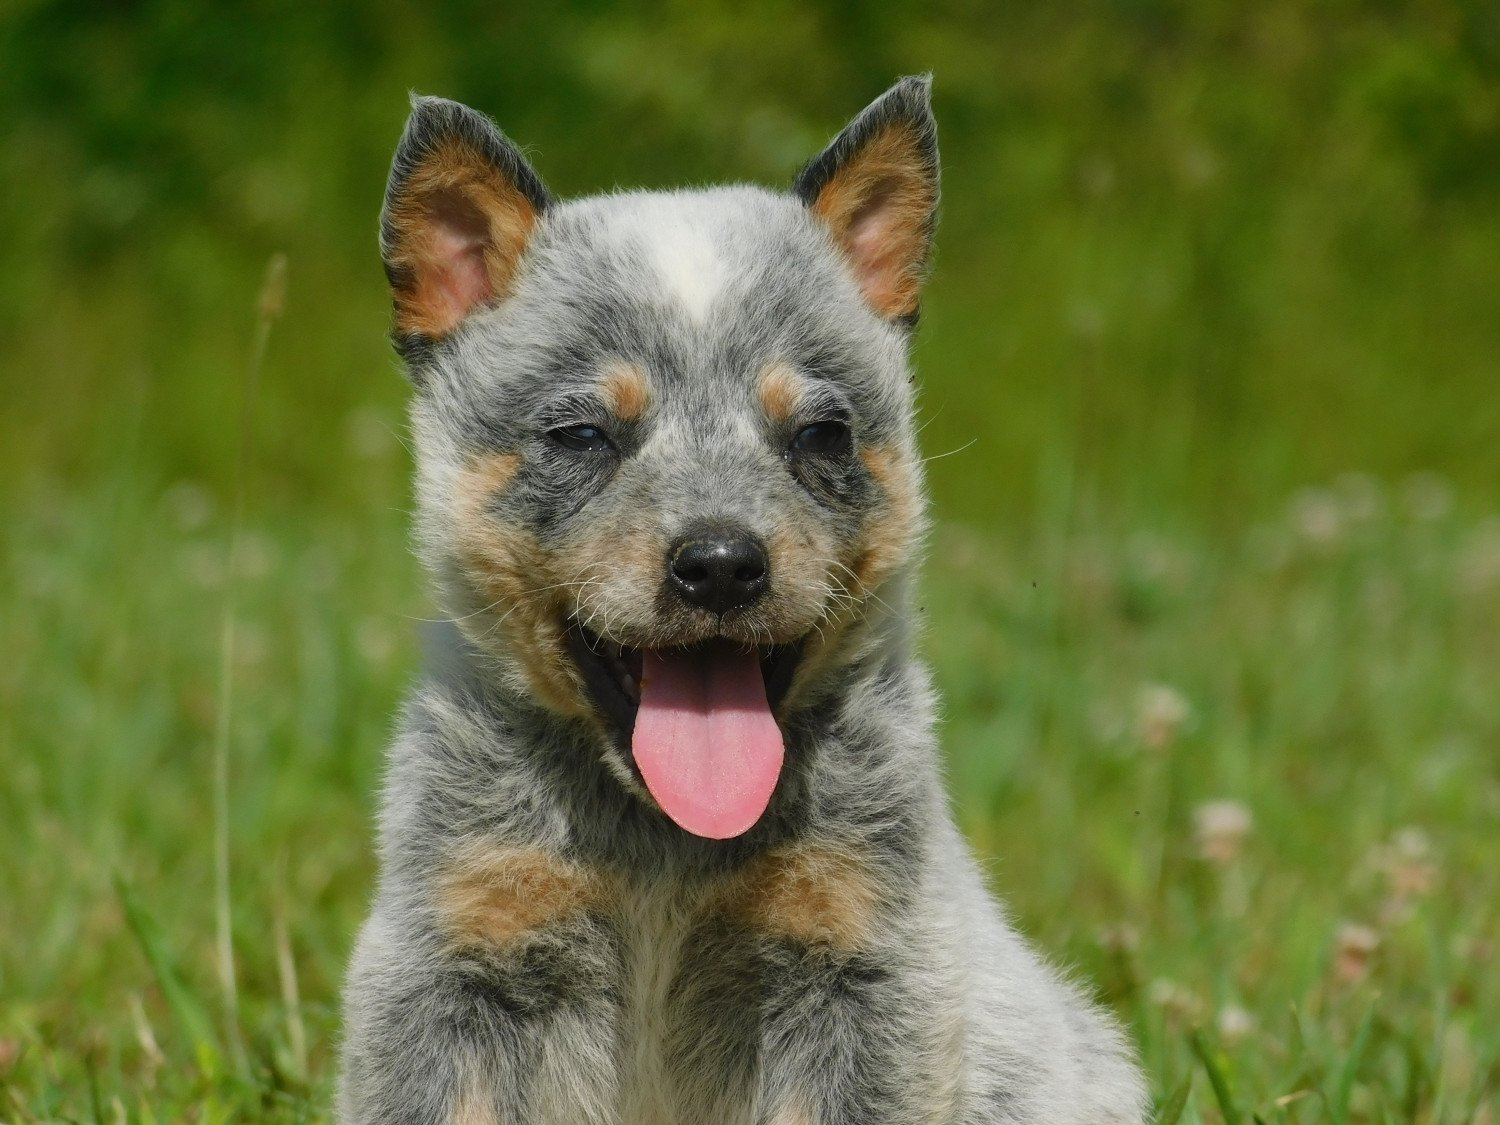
428 105
912 95
434 119
908 102
432 114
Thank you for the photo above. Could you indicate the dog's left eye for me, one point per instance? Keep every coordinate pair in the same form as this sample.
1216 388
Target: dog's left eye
585 439
821 437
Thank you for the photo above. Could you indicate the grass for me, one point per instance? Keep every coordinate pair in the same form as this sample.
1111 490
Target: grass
1244 783
1208 368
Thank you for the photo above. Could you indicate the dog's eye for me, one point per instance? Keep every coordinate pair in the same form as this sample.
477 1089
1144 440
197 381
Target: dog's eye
821 437
585 439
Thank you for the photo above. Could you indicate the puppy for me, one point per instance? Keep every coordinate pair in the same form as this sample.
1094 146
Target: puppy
664 836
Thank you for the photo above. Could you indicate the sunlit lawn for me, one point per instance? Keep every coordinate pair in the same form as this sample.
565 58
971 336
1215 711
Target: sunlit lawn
1245 781
1222 714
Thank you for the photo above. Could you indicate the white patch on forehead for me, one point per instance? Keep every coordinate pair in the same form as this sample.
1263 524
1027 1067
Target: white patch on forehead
689 266
677 235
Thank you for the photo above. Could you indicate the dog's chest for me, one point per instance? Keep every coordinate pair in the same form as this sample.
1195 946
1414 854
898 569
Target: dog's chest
662 1077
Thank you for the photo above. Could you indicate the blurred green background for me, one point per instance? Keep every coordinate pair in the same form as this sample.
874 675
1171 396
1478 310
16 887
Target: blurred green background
1208 368
1200 252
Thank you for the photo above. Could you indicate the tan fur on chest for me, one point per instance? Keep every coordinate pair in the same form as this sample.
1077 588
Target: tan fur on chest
812 894
493 896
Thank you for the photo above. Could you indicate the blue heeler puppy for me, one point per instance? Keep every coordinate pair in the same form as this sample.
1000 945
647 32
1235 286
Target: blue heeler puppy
664 836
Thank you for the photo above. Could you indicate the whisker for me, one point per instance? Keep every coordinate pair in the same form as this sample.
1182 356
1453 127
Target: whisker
950 453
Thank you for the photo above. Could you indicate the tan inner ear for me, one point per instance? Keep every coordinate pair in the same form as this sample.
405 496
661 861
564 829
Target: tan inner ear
879 206
458 231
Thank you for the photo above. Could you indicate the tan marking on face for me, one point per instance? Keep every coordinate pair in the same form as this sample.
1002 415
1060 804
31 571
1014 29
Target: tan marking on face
886 544
812 894
514 579
890 539
780 389
799 1115
880 206
626 391
618 571
484 478
798 561
490 896
458 230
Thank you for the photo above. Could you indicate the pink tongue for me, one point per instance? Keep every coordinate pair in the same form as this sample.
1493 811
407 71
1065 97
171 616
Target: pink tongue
705 740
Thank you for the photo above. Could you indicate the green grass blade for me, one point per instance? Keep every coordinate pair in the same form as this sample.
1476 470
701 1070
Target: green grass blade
1171 1110
1339 1103
1217 1078
190 1015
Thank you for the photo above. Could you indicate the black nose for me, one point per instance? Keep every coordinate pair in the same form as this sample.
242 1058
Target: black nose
719 571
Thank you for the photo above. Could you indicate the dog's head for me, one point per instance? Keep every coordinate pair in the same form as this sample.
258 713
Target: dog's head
666 460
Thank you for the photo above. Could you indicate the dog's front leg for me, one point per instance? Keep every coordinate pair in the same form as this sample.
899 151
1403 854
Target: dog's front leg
812 1036
808 1000
850 1039
520 1031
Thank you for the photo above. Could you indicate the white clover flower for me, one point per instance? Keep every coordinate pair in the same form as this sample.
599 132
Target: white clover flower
1235 1025
1161 713
1354 948
1318 517
1220 828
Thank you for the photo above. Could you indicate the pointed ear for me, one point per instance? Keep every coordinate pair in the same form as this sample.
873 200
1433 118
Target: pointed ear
876 186
459 208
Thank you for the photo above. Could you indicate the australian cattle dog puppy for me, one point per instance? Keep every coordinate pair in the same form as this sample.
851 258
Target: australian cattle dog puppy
664 837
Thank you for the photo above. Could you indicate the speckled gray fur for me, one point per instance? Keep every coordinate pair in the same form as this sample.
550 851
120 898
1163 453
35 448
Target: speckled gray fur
657 1008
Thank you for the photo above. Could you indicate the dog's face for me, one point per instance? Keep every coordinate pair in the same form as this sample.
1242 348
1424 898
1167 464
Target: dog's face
665 448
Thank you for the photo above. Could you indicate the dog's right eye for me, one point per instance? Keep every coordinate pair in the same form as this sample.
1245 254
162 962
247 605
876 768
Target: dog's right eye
585 439
831 436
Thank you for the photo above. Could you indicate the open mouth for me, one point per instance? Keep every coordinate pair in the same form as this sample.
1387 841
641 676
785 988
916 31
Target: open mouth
699 721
